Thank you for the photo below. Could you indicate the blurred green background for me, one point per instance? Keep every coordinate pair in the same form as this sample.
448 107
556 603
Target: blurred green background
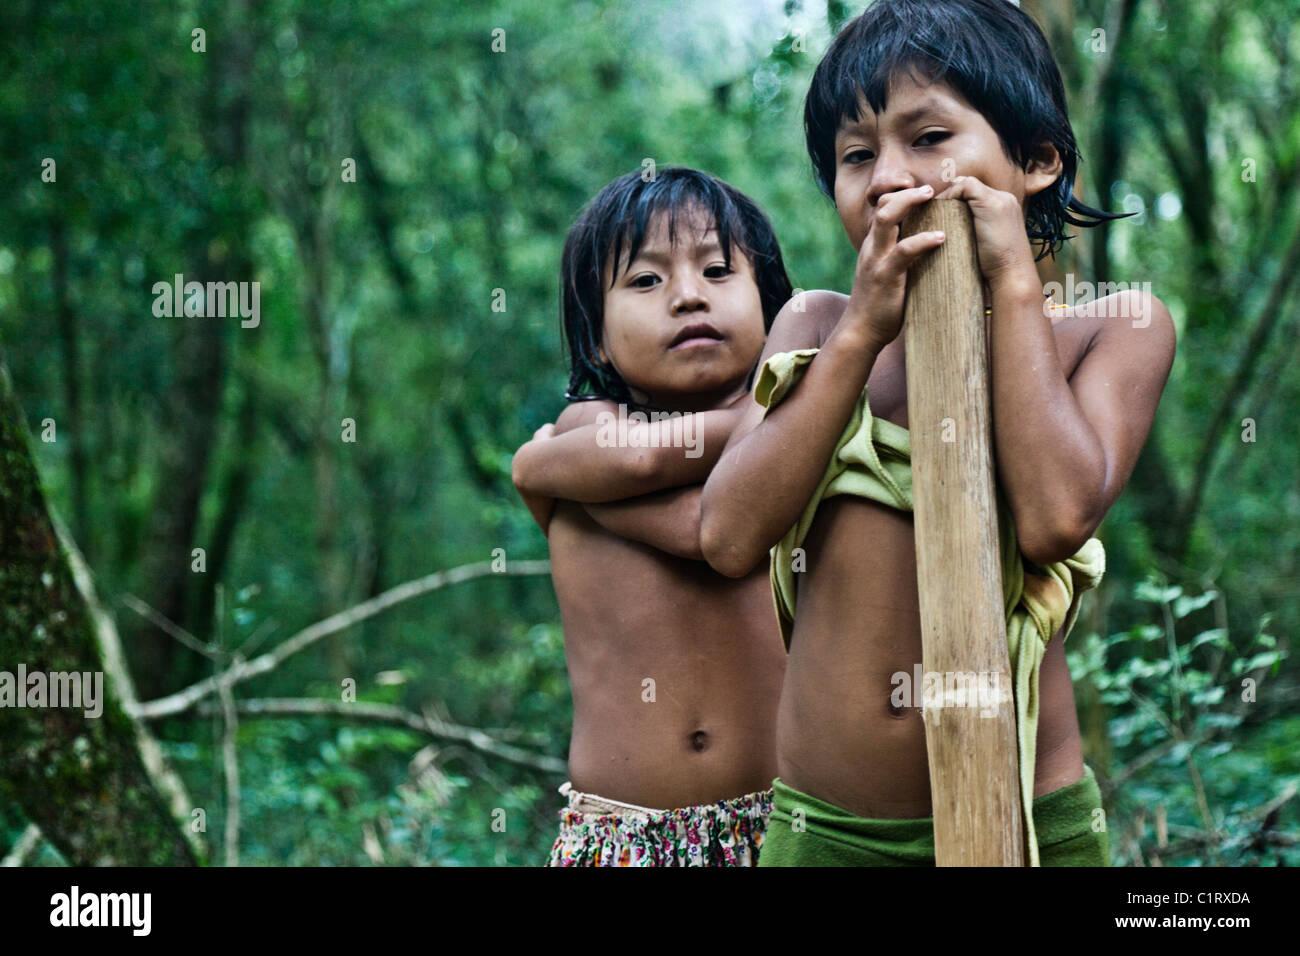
376 305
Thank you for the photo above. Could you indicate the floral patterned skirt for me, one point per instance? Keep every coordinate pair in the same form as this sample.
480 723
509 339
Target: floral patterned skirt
599 832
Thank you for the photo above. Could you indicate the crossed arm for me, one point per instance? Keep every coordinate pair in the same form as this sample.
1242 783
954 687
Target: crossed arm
1065 447
646 489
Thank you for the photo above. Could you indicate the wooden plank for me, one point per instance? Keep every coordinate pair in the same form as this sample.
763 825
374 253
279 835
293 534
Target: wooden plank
972 749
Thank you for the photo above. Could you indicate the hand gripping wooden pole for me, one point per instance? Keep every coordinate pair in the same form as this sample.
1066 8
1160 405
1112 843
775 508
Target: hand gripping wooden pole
971 741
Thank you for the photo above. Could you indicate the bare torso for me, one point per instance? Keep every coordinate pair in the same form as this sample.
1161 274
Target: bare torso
709 643
838 736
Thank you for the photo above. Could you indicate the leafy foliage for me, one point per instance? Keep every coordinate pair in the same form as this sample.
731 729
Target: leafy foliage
1194 722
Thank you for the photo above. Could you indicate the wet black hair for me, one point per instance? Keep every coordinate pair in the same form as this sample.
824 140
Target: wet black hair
610 231
989 51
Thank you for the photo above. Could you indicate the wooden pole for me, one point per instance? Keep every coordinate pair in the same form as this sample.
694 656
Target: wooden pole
974 782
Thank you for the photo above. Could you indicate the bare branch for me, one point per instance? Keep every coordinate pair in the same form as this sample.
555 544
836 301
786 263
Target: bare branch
230 764
263 630
27 842
183 700
427 724
1195 839
168 627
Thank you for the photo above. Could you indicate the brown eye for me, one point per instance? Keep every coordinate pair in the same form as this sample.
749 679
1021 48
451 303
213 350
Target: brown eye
645 281
940 133
862 156
717 272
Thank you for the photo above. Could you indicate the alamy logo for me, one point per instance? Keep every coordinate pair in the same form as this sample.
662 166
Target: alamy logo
213 300
102 909
933 691
1081 293
618 431
75 689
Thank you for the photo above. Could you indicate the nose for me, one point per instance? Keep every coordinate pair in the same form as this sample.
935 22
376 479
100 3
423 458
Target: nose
888 175
687 295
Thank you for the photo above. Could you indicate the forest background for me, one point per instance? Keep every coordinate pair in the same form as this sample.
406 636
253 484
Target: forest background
398 177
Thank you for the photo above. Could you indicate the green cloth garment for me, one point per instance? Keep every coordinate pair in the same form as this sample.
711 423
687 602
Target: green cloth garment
805 831
873 460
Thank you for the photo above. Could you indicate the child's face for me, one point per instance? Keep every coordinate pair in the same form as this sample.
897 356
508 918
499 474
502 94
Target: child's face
682 329
927 134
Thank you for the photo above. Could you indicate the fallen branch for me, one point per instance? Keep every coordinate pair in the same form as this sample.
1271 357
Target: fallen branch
230 771
183 700
426 724
1201 840
27 842
167 627
1265 816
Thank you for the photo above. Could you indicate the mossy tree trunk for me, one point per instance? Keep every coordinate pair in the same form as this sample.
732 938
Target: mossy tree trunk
94 785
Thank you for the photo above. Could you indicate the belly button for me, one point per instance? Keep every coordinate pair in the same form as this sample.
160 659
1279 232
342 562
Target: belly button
896 711
699 740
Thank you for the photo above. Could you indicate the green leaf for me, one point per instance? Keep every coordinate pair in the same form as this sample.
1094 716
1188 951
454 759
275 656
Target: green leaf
1122 637
1179 752
1216 719
1266 659
1217 636
1154 594
1185 605
1148 632
1208 697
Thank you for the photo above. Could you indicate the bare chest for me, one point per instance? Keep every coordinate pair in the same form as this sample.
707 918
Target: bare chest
887 384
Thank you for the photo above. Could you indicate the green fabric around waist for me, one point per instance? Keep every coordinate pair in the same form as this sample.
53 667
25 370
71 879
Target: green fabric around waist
873 460
806 831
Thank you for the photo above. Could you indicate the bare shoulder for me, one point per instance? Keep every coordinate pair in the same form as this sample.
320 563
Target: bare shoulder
580 413
1131 328
1126 344
806 321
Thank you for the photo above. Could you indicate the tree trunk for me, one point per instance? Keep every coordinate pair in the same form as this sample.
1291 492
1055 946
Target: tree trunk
191 420
191 426
93 784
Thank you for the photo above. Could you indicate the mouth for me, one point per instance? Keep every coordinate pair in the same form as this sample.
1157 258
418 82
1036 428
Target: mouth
694 335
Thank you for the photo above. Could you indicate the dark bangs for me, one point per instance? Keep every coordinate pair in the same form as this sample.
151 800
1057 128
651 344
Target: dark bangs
609 234
989 51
